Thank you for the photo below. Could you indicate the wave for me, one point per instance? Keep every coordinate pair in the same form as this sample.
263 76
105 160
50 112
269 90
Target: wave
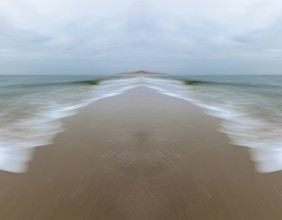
203 82
37 126
50 84
248 120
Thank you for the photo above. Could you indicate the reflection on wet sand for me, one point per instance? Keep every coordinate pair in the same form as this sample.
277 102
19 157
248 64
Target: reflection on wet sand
141 155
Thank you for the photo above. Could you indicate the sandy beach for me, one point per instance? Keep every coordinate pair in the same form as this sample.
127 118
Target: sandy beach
141 156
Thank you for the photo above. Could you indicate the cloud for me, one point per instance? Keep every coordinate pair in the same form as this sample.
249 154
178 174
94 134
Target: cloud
179 36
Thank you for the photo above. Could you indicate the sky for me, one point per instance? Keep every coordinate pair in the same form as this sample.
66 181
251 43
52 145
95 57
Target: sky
109 36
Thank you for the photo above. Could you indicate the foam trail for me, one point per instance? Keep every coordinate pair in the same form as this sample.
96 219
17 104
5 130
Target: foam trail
243 121
39 127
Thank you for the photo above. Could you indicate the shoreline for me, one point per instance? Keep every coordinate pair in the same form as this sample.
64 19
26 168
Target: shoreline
141 155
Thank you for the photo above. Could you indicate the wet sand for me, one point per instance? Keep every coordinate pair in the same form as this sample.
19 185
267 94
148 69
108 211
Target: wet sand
141 156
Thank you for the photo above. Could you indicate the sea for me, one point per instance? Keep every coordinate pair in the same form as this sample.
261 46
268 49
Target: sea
32 109
249 109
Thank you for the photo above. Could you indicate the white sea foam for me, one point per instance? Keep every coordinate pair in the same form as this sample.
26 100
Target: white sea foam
35 119
40 119
242 120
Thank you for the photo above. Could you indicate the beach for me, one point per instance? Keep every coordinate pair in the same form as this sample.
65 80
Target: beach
141 155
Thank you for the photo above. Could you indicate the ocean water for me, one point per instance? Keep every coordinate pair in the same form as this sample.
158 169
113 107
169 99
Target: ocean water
250 109
32 108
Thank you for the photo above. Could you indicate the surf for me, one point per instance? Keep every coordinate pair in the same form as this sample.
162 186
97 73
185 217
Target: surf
248 114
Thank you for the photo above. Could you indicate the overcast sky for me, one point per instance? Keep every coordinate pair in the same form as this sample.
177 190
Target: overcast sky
173 36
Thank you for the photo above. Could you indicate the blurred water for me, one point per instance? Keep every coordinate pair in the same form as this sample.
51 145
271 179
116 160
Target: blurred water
250 108
32 108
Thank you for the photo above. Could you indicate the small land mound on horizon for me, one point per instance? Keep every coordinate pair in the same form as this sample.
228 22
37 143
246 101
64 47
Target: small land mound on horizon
141 73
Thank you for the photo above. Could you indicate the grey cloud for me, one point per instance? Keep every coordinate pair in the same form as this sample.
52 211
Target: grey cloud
180 37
